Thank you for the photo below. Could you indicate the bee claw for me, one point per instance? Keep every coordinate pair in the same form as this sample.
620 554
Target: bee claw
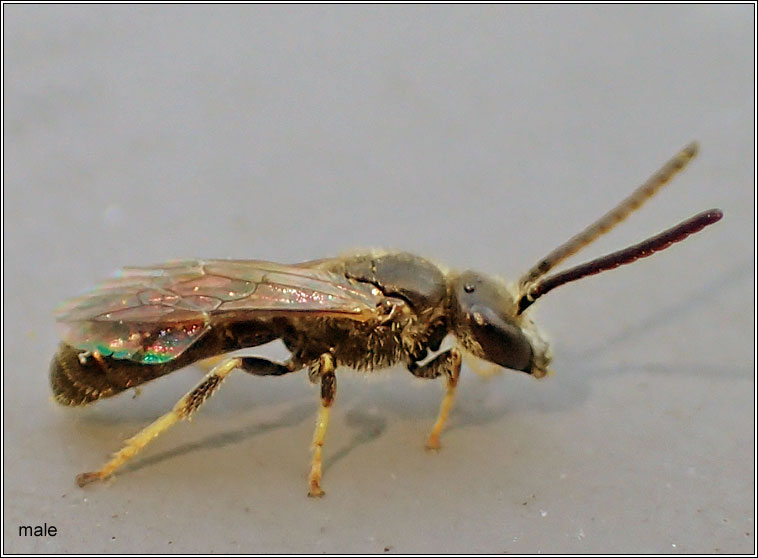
86 478
433 444
315 492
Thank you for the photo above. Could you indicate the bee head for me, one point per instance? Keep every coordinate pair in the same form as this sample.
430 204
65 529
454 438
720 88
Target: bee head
487 323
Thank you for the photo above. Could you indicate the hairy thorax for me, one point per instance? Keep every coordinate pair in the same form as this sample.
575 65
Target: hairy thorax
399 337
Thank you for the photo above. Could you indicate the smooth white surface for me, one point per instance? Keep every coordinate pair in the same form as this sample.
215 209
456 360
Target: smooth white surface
480 136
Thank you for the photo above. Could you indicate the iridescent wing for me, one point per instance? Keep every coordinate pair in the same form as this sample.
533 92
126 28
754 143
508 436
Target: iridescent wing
153 314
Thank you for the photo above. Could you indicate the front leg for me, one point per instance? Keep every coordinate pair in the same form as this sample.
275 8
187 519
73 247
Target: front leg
449 364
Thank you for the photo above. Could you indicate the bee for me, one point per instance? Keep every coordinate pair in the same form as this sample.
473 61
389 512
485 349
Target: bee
368 311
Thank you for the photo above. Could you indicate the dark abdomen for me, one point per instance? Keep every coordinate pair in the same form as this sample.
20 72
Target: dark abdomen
78 383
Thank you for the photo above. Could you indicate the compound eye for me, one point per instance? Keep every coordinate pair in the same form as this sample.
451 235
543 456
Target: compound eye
469 287
502 343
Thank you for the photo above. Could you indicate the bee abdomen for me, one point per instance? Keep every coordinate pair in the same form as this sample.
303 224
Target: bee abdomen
76 382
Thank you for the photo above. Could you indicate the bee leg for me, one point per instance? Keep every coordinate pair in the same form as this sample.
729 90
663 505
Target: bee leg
183 409
264 367
207 364
328 391
449 364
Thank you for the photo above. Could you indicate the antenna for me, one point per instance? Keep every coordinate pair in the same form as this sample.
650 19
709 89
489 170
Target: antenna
633 202
628 255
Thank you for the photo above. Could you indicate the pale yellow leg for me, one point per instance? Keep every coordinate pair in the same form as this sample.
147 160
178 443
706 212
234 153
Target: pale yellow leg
328 391
314 479
433 442
207 364
183 409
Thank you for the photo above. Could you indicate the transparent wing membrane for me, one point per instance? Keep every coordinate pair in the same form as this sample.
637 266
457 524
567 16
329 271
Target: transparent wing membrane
153 314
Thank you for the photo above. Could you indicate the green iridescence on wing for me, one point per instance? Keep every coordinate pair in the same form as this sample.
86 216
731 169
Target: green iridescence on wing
152 357
146 357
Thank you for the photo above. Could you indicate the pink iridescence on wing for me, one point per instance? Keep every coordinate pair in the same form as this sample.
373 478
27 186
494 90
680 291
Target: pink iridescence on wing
153 314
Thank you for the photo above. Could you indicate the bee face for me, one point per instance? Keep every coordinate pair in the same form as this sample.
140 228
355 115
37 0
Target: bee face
485 321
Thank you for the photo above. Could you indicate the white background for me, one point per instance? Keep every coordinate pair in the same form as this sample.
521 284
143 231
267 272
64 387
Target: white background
479 136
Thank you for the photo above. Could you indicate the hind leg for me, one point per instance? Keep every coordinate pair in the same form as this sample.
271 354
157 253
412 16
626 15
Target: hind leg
184 409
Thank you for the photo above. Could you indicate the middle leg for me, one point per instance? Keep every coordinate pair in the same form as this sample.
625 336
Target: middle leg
325 372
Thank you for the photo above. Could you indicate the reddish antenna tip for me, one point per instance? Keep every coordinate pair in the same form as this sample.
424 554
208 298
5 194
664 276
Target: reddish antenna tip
715 215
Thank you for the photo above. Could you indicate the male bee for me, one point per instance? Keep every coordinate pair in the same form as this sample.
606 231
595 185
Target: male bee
364 312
